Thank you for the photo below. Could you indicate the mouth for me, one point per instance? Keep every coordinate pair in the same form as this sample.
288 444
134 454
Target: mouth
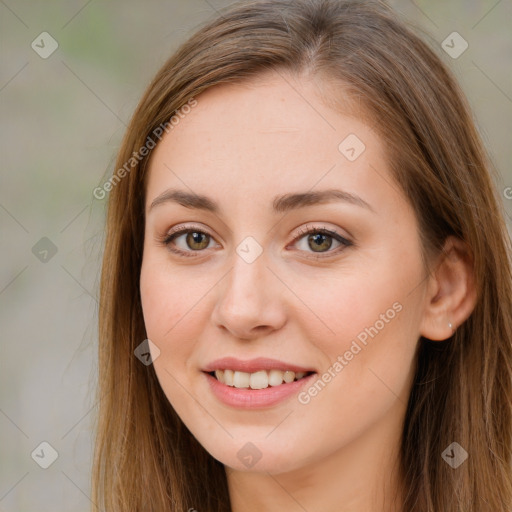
258 383
261 379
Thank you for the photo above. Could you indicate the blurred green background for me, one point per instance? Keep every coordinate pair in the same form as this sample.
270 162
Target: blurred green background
63 117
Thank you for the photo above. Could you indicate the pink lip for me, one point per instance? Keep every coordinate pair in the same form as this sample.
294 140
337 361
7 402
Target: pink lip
247 398
253 365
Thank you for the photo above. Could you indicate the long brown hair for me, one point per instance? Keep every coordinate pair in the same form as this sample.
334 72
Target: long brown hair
145 458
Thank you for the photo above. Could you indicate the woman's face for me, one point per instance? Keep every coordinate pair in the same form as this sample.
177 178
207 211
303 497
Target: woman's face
313 298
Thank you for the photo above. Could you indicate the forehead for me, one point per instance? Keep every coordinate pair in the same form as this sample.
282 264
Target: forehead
262 137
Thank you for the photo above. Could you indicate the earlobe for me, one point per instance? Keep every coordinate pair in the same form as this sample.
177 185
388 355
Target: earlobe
451 293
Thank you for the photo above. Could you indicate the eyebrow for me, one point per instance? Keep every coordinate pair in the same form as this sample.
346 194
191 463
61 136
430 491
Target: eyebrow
280 204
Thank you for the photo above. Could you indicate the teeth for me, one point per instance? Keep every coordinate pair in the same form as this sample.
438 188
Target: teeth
241 379
258 380
228 378
289 376
275 377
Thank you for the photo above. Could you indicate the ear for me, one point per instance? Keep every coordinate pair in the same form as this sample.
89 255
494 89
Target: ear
451 293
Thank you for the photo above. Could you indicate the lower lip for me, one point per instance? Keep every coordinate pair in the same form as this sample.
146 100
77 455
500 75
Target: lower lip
247 398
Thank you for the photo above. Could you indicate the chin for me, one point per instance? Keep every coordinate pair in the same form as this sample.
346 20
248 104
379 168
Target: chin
256 456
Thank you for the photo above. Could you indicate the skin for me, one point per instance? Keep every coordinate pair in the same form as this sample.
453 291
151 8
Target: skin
242 145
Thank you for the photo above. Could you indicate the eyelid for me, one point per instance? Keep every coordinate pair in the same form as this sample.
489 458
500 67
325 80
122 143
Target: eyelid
185 228
323 229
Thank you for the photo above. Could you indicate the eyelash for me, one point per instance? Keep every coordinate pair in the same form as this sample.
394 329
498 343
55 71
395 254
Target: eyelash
169 238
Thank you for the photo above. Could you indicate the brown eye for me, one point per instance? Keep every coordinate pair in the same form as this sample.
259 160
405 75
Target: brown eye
197 241
322 242
186 242
319 242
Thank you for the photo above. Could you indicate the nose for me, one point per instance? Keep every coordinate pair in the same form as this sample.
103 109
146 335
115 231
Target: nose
250 301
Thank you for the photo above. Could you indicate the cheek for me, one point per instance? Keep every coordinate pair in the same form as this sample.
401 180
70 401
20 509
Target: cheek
346 306
168 303
167 297
174 318
366 325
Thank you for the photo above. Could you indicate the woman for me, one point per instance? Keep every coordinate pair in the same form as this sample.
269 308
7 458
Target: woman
306 287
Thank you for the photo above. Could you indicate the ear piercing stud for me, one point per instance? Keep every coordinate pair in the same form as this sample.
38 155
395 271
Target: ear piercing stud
450 325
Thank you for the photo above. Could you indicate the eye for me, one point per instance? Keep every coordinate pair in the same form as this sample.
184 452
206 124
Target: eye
190 240
187 241
320 241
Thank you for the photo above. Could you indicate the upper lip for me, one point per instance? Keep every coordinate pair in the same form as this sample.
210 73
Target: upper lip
253 365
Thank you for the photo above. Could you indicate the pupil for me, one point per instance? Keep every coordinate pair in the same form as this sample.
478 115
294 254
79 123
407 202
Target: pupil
320 239
194 240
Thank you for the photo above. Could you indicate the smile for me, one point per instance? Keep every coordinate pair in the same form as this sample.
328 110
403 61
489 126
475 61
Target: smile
258 380
255 383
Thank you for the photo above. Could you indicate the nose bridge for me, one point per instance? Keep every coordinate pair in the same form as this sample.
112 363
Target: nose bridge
248 300
245 289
